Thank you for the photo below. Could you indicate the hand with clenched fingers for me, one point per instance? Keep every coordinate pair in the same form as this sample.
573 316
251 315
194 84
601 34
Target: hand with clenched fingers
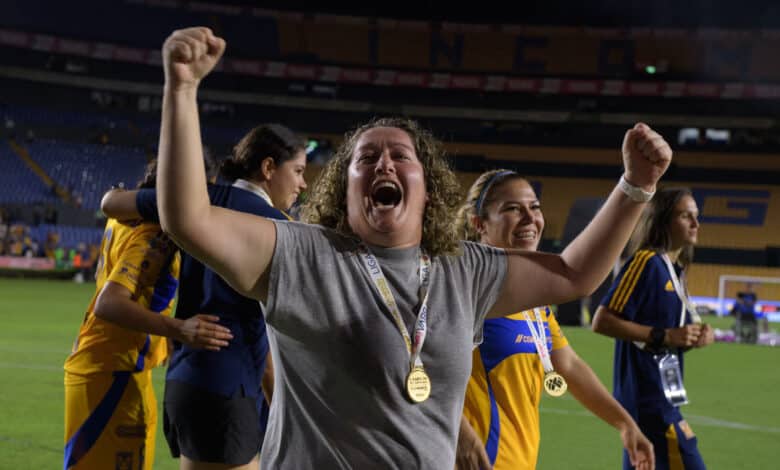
189 55
646 156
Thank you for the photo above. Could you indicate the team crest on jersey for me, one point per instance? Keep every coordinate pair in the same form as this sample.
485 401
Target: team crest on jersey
669 287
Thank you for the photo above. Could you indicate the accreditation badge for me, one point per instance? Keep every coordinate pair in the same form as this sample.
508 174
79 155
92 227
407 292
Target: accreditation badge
554 384
671 378
418 385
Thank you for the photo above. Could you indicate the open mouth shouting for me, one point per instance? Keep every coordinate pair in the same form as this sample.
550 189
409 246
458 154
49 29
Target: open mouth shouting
385 195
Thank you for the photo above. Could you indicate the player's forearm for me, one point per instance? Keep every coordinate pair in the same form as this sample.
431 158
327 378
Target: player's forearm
182 196
586 387
129 314
607 323
120 204
592 255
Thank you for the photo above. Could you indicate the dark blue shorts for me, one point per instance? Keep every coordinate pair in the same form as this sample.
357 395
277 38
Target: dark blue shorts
673 440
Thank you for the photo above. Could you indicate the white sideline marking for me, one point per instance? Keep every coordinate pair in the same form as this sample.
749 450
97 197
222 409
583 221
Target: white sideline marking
722 423
694 419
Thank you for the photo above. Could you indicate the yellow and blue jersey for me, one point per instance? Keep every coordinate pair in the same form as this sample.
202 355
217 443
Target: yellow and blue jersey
145 261
642 293
505 387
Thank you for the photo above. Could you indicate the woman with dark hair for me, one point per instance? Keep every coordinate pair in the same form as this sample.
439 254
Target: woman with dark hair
525 352
266 170
648 312
270 161
372 315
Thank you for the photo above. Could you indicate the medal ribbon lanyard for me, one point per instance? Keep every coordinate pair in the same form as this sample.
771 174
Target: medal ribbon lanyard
540 338
681 294
421 325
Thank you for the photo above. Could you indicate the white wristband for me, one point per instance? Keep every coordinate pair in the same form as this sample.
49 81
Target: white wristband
636 193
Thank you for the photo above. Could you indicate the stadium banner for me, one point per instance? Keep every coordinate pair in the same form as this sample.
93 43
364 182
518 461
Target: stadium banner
719 53
22 262
403 78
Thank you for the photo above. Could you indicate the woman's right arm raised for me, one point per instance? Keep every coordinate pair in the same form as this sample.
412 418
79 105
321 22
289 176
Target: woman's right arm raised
236 245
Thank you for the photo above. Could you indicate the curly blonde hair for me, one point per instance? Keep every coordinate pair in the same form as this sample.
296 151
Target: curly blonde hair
478 197
327 204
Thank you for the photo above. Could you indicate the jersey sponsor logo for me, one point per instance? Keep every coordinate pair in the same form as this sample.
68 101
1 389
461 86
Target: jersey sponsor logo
669 287
521 338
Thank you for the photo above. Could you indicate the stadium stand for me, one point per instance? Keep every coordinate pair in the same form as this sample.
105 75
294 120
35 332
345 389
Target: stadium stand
86 170
100 132
18 183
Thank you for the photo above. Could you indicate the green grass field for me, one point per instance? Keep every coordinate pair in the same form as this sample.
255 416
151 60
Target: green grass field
733 389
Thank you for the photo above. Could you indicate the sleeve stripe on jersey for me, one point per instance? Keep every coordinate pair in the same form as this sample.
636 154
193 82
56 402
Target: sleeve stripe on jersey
629 281
625 281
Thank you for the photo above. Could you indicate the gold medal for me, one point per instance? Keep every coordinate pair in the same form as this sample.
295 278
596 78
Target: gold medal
418 385
554 384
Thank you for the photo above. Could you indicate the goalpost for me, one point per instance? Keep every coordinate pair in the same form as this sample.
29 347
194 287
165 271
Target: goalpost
766 296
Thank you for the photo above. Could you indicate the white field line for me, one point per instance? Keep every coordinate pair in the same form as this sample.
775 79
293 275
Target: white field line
693 419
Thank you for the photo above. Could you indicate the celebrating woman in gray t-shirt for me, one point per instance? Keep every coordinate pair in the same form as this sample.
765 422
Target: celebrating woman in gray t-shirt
372 313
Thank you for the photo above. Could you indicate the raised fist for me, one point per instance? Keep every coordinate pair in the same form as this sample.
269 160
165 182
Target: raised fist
189 55
646 156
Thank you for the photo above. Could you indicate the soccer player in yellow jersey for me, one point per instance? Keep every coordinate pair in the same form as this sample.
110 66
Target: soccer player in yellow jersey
500 428
110 408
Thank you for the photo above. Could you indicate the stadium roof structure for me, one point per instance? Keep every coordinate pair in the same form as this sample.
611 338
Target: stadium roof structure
755 14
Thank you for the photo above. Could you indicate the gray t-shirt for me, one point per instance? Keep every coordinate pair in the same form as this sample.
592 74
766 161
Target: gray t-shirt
340 362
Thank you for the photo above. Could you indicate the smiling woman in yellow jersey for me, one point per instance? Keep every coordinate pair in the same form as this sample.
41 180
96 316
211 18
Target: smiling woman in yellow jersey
500 428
